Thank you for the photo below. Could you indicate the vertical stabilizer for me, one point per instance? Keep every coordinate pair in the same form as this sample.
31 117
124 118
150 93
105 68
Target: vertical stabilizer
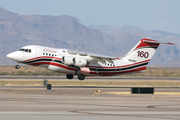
143 51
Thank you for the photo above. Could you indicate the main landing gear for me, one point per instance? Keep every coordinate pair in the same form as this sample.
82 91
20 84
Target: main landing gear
69 76
17 66
80 76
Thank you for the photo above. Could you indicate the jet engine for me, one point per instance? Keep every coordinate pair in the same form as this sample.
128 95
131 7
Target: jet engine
79 62
67 60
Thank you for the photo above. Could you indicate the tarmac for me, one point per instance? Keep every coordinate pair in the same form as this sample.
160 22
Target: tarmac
88 102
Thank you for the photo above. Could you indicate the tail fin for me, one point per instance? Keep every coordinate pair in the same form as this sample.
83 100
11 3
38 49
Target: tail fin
143 51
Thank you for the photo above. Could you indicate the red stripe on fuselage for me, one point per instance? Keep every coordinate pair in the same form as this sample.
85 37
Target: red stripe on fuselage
39 63
54 64
42 57
62 66
49 63
118 72
38 58
118 66
135 63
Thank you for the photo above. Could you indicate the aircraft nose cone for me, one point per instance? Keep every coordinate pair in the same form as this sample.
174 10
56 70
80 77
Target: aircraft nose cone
10 56
16 56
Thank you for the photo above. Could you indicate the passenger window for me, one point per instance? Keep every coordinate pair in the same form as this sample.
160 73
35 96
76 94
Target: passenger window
46 53
43 53
49 54
52 54
29 50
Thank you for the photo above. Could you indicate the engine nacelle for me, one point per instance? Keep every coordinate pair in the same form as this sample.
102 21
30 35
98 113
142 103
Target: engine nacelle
79 62
67 60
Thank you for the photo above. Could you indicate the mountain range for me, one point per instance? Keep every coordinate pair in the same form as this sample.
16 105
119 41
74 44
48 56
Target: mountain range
66 31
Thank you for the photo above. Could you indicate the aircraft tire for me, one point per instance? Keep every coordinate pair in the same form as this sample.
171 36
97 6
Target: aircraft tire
81 77
17 66
69 76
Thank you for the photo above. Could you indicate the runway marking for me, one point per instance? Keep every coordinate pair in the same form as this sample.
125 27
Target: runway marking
31 88
33 113
126 115
17 100
117 93
167 93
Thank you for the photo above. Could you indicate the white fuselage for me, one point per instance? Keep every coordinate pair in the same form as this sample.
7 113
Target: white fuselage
51 58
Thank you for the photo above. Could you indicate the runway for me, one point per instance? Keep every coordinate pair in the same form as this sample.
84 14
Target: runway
91 78
27 103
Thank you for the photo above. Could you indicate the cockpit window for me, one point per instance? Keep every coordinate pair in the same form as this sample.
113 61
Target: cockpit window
26 50
21 49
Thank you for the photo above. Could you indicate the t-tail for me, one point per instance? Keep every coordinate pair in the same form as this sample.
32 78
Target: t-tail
142 52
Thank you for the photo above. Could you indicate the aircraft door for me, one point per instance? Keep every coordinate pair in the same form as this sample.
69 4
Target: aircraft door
23 56
118 66
38 52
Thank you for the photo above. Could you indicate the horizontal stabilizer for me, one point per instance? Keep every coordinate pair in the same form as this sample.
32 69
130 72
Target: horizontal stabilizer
147 41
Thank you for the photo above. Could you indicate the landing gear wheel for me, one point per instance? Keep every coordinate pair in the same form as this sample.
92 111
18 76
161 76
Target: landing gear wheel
17 66
69 76
81 77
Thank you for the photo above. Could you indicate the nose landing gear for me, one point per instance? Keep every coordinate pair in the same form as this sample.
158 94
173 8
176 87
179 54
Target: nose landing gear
17 66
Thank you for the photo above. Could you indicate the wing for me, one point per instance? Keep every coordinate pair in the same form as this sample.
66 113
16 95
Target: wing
100 58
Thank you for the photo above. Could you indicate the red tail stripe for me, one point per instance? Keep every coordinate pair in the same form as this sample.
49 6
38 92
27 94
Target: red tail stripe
145 44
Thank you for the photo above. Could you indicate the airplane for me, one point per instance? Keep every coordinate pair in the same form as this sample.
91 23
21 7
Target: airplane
87 64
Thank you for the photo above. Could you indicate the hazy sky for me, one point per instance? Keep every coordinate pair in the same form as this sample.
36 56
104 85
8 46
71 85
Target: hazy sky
146 14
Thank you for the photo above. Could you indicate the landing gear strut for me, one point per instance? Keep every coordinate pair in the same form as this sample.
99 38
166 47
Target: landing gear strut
69 76
17 66
81 77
